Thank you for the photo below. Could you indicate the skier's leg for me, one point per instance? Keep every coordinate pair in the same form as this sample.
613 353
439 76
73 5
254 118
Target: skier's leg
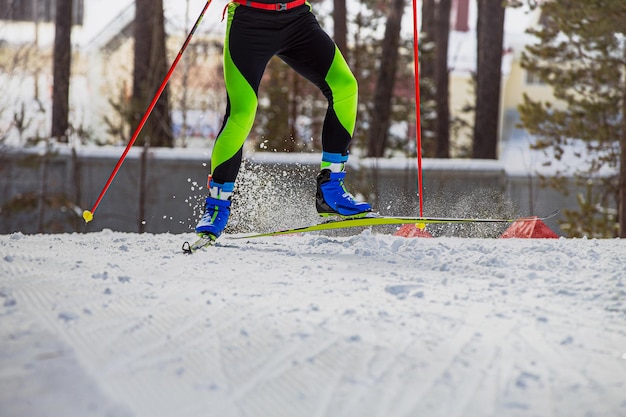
245 59
314 55
244 63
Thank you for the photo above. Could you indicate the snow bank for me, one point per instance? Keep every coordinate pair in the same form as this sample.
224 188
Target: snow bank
116 324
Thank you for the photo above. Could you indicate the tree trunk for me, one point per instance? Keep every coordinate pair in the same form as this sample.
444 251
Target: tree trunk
62 70
427 50
622 177
490 30
340 25
150 68
622 181
143 188
442 80
427 66
381 113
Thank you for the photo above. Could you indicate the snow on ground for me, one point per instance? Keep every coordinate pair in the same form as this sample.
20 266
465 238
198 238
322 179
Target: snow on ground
119 324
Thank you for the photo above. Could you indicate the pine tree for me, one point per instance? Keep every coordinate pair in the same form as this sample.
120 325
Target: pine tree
150 68
62 70
340 25
490 32
383 91
442 79
427 56
581 54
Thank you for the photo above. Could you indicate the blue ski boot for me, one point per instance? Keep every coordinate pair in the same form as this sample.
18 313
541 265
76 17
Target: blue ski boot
332 198
216 210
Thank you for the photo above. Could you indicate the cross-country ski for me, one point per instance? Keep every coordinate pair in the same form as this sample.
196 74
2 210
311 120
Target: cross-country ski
368 221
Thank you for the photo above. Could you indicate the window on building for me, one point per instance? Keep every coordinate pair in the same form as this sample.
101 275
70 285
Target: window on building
533 79
37 10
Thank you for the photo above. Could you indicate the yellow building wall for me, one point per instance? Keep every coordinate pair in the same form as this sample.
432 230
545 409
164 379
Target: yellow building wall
514 86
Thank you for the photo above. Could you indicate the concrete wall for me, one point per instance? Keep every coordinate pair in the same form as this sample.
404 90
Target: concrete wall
274 191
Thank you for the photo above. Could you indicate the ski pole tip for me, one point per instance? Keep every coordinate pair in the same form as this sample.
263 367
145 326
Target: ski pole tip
88 216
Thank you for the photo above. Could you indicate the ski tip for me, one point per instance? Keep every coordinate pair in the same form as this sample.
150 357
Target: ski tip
204 241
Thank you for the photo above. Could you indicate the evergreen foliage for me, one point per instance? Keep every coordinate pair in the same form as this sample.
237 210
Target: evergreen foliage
581 54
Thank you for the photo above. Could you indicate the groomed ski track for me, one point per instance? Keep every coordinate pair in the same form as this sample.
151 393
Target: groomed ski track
118 324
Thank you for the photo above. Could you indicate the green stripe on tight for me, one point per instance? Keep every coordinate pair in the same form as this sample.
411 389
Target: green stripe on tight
345 91
242 110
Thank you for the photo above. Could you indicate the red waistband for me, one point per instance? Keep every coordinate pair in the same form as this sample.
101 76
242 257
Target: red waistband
277 7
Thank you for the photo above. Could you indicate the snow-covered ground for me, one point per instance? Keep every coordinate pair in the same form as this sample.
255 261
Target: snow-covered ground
115 324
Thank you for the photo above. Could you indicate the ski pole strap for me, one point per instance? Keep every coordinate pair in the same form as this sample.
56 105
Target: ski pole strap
277 7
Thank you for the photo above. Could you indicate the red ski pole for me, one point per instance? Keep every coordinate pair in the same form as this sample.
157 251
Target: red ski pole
418 126
88 214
